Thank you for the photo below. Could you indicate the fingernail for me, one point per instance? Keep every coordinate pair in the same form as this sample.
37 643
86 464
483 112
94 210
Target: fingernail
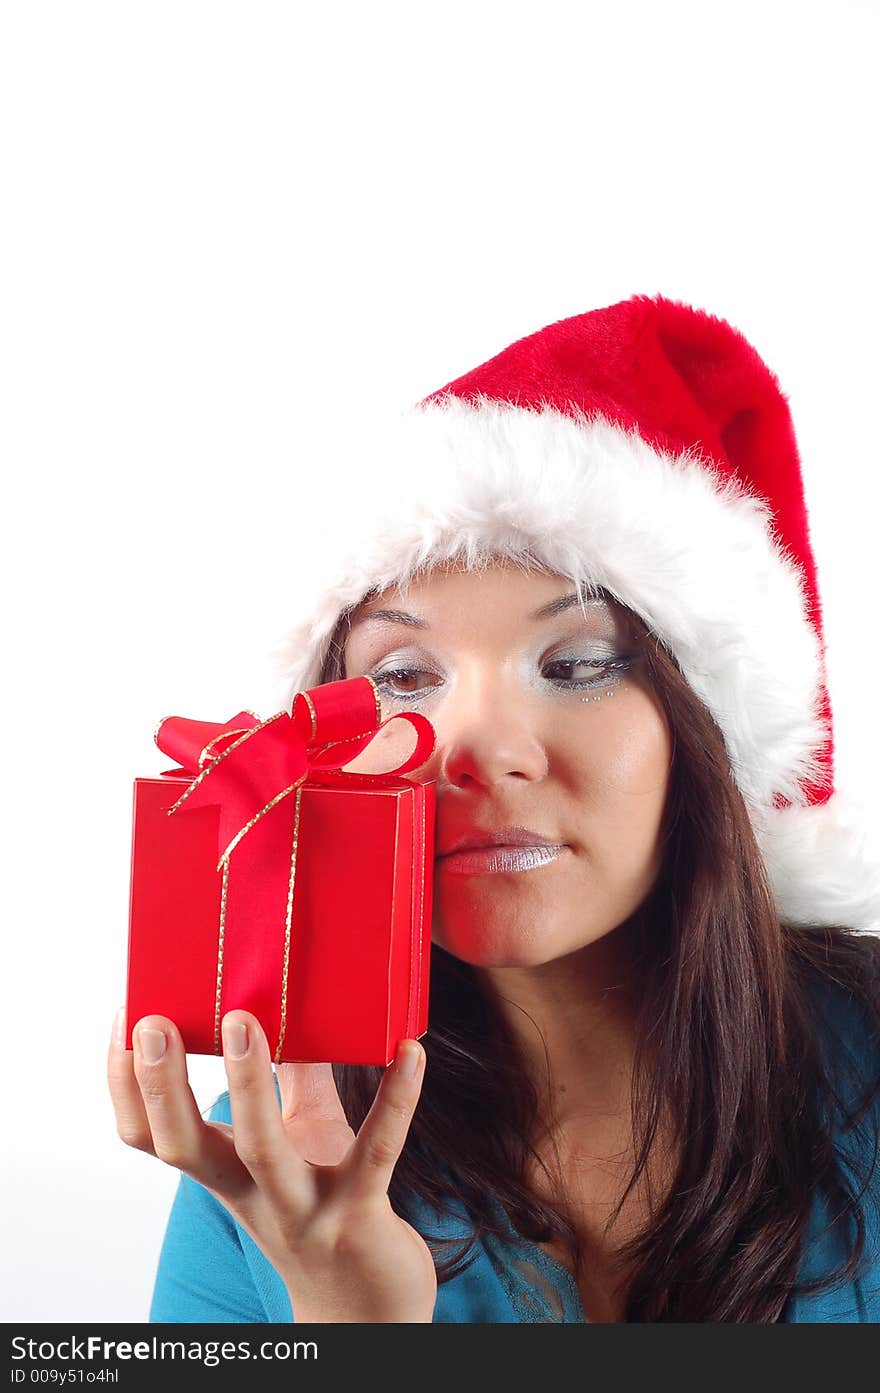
119 1027
235 1039
408 1060
151 1044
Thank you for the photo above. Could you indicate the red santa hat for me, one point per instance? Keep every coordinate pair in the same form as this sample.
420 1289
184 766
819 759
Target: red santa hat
646 449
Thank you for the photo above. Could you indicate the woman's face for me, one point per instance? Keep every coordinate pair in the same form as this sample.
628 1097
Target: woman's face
544 722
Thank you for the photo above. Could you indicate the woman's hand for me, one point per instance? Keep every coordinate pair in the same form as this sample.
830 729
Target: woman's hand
311 1194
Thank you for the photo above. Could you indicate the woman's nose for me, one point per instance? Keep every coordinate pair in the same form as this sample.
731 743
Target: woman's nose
486 738
474 760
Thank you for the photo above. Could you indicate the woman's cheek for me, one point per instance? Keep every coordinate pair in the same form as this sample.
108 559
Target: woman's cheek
634 755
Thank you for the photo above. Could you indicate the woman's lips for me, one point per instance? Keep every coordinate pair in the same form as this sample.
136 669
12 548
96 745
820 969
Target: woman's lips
493 860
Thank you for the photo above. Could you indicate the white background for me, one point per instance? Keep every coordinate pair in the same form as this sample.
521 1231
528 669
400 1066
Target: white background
232 233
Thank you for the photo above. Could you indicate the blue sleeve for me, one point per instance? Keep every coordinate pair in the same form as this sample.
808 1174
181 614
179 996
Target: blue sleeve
209 1270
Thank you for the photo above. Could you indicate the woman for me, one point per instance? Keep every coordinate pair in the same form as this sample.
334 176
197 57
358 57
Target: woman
652 1064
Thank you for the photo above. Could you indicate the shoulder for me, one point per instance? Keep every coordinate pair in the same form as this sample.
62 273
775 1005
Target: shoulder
848 1028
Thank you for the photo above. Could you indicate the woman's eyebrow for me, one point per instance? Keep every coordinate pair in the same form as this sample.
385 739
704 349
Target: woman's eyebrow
388 616
415 621
564 602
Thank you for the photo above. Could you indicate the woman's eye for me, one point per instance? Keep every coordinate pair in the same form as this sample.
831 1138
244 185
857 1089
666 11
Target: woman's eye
397 682
605 668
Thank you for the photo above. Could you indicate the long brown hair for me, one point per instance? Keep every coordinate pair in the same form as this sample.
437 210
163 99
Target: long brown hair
733 1044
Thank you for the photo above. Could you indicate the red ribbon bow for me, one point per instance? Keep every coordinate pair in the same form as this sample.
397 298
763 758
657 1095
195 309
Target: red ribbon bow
247 766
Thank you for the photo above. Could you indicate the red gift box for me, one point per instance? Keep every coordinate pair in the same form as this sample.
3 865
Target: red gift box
317 915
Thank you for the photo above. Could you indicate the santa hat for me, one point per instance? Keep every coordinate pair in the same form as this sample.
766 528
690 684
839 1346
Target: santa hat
645 449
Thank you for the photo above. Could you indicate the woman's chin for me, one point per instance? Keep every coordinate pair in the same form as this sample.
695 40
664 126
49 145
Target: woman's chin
505 949
493 958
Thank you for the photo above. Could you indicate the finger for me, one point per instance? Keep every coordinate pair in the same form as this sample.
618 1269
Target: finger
258 1129
313 1116
370 1164
309 1089
180 1135
132 1124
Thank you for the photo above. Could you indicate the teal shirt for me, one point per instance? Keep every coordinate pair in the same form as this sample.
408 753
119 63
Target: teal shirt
211 1271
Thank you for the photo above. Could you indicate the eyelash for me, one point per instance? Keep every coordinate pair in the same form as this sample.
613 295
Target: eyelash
611 666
